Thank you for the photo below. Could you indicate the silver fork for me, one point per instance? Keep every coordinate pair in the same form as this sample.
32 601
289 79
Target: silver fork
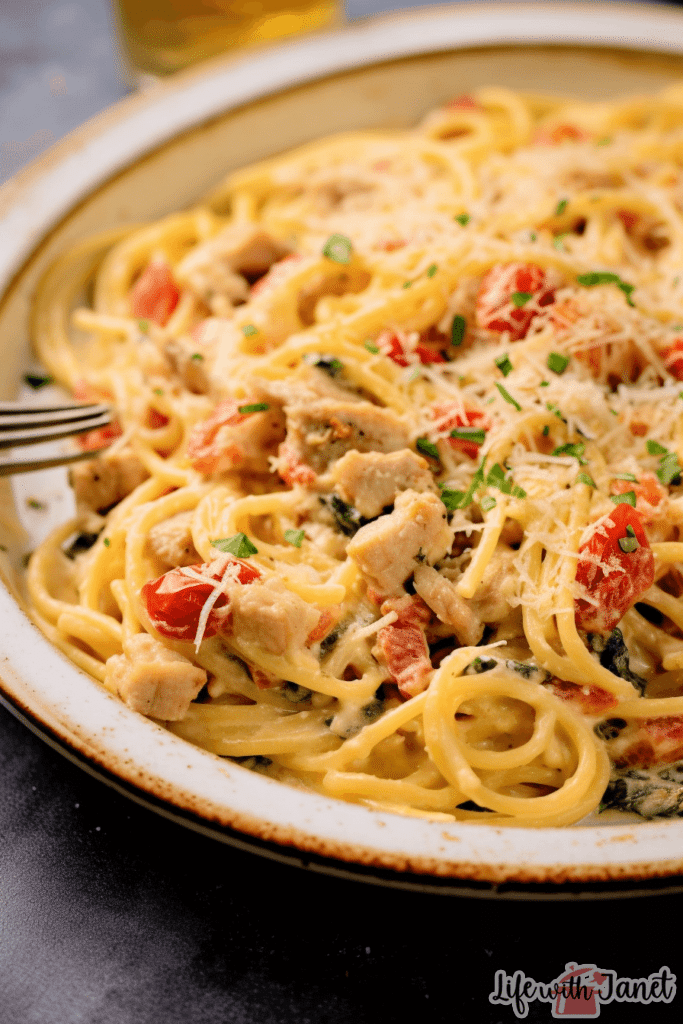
24 425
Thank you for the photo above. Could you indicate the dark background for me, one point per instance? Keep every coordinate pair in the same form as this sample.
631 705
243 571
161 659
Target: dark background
110 914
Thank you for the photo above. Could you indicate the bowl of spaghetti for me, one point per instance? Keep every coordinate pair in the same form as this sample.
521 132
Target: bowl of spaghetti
379 564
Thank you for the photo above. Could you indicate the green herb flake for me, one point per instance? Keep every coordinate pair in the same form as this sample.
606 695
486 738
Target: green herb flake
256 407
197 357
239 545
462 218
557 362
497 478
106 542
584 478
546 430
338 248
37 380
520 299
603 277
474 434
629 544
655 448
558 241
371 347
458 330
487 503
452 499
457 499
544 384
248 330
624 499
431 270
603 142
294 537
561 207
158 391
143 325
504 365
407 284
508 397
532 236
669 471
629 477
427 448
40 506
576 451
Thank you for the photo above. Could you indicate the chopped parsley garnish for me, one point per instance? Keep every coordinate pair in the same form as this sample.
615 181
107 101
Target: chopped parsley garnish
551 407
462 218
603 142
371 347
504 365
520 299
624 499
532 236
497 478
330 364
34 503
508 397
626 476
584 478
239 545
604 277
338 248
453 499
655 448
576 451
37 380
474 434
106 542
256 407
431 270
196 357
407 284
546 430
487 503
143 325
427 448
669 471
557 362
561 207
461 499
558 241
249 329
158 391
629 543
458 329
294 537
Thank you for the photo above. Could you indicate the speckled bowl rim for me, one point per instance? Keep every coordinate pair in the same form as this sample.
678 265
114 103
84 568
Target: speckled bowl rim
137 756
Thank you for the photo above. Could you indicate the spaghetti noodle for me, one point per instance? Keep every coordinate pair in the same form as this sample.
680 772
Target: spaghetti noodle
393 507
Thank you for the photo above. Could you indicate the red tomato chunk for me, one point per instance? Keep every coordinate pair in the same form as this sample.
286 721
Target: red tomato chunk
614 578
451 415
155 294
495 309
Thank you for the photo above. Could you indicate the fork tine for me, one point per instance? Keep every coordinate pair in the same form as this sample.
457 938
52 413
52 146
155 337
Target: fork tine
29 417
9 467
50 432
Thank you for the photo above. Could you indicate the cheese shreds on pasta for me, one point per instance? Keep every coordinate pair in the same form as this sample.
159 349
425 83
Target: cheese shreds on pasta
392 508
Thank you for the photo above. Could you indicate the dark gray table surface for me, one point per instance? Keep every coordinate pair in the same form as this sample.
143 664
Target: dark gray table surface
110 914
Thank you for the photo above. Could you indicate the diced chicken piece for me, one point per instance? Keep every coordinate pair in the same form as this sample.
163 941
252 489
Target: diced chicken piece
321 432
443 598
271 616
154 680
171 541
233 439
219 270
490 602
388 550
371 480
102 483
191 355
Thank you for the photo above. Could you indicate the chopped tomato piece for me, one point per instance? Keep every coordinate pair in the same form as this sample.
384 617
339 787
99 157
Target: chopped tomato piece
673 359
101 437
464 102
495 308
322 628
561 133
628 218
402 645
590 700
292 469
397 347
613 578
649 493
174 601
155 294
649 741
450 415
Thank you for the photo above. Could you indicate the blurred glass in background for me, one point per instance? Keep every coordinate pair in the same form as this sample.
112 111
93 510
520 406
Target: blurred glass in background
162 36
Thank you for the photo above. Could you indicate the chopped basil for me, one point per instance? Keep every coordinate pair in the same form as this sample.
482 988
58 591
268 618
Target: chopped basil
655 448
458 499
603 277
576 451
520 299
474 434
249 329
508 397
624 499
458 329
371 347
557 362
294 537
504 365
427 447
669 469
256 407
431 270
487 503
462 218
561 207
37 380
497 478
239 545
452 499
338 248
584 478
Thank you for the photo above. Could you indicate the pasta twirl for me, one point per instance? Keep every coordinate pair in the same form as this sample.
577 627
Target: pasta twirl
393 505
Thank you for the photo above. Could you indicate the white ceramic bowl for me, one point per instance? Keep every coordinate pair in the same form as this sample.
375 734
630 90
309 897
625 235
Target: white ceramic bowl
160 151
